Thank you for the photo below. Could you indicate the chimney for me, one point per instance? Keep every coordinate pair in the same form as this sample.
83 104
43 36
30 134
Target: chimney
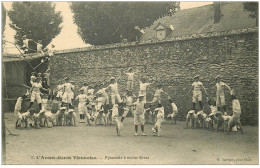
217 12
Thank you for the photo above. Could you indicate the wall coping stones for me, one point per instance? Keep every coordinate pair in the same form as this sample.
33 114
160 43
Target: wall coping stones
150 42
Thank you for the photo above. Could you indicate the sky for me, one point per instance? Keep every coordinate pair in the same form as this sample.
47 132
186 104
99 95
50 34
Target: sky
68 38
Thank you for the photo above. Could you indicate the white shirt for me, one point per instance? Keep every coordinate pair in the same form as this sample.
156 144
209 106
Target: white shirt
36 87
114 88
139 107
174 107
85 88
82 98
67 87
236 106
160 116
158 92
129 100
26 43
100 100
91 91
160 110
103 92
197 86
39 47
143 86
130 76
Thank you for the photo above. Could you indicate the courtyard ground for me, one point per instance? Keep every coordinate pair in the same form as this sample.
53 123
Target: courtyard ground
100 145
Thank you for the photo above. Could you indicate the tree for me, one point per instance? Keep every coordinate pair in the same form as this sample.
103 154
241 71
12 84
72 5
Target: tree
36 20
252 7
109 22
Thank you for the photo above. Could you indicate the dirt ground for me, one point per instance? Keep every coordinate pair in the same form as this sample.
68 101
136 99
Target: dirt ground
100 145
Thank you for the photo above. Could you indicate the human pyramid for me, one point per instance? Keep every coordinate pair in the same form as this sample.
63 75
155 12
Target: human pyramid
101 107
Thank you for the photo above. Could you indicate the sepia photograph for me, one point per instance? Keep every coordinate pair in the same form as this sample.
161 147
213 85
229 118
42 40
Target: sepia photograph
130 83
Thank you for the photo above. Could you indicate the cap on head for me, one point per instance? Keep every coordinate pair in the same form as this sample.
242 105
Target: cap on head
218 77
112 78
196 77
63 108
71 110
140 95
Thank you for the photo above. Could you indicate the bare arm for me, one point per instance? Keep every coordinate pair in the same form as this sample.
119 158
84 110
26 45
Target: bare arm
190 90
228 87
205 90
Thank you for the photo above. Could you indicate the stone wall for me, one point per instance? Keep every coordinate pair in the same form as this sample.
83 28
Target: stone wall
174 63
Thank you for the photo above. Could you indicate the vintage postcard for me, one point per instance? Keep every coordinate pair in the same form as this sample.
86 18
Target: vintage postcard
130 83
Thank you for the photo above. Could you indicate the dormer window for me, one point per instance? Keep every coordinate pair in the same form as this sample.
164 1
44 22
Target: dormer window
162 31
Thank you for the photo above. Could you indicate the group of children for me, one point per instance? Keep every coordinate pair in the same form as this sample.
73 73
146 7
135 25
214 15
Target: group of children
220 119
101 107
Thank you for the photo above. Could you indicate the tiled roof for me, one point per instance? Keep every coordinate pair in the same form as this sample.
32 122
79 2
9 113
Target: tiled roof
201 20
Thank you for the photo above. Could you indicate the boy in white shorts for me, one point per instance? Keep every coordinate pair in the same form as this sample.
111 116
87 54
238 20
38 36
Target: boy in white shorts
174 113
59 92
220 94
115 116
82 107
67 93
130 79
197 86
114 91
143 86
85 88
36 93
139 114
235 118
33 78
128 100
160 119
100 108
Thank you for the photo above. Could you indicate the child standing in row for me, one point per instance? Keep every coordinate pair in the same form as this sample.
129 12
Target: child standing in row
114 91
143 86
157 94
139 114
115 116
130 79
82 107
197 86
128 104
174 113
235 118
68 94
160 119
220 94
